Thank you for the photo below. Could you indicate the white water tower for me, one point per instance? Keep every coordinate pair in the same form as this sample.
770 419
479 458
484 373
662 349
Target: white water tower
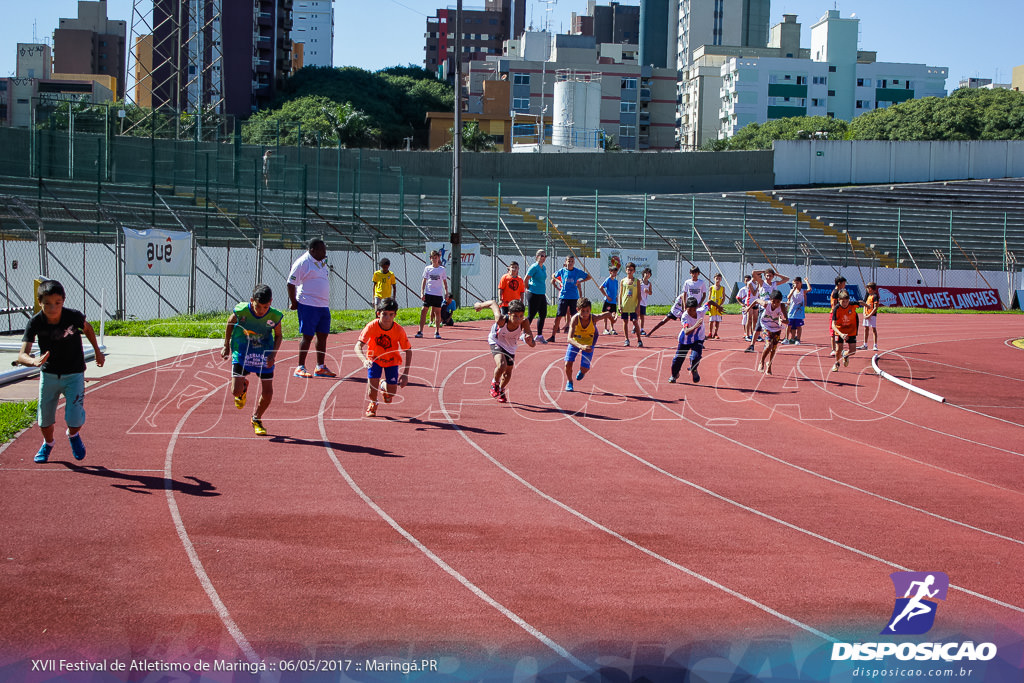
577 113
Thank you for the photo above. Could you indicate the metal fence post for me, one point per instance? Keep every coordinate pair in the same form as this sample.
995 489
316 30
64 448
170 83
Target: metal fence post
192 278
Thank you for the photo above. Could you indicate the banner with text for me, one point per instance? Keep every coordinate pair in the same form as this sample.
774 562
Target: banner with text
642 258
940 297
157 252
470 256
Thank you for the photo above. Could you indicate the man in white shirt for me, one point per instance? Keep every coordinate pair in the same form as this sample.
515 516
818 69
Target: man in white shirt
309 293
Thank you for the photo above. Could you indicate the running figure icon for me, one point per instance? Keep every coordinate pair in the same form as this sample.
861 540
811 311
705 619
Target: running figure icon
920 592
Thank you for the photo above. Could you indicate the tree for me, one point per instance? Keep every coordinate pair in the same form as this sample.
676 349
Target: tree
762 135
473 139
313 118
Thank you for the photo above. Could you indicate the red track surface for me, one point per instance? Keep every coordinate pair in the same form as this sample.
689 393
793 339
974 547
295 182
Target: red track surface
629 512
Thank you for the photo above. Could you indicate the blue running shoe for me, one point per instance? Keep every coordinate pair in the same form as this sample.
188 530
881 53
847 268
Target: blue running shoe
77 447
579 375
568 386
44 453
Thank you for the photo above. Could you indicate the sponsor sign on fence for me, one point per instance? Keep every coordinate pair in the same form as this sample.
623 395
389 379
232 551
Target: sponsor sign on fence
470 256
819 295
157 252
940 297
620 257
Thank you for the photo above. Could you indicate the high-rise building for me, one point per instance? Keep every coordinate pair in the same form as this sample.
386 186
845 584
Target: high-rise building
313 26
659 33
91 44
611 23
483 32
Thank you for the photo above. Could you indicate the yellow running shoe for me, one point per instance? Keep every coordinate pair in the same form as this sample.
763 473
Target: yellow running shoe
240 400
257 426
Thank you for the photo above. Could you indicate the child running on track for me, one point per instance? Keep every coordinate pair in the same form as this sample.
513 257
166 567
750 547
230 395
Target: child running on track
871 315
833 302
772 320
691 339
646 289
380 349
503 340
252 339
716 297
844 327
582 338
62 365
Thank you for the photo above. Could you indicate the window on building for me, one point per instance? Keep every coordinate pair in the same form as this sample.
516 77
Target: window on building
801 80
520 79
627 131
627 107
831 69
831 93
820 80
629 83
521 103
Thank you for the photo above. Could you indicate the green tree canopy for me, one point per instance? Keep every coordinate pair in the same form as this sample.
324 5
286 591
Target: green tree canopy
473 139
761 135
313 117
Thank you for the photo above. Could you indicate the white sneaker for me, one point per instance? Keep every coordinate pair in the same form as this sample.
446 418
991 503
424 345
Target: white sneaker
876 348
863 347
832 353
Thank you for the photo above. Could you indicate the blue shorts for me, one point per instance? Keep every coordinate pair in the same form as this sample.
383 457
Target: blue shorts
314 320
241 370
390 373
585 356
51 386
795 323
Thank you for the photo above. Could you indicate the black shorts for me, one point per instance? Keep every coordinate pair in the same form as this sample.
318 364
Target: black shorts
609 306
840 338
567 306
510 358
628 316
433 301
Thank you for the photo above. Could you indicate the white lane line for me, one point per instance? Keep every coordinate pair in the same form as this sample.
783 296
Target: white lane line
186 542
447 568
765 515
597 525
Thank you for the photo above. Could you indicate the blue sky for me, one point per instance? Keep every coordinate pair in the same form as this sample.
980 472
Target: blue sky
979 38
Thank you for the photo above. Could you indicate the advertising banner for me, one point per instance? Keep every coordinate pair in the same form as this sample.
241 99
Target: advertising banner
819 294
643 258
157 252
940 297
470 256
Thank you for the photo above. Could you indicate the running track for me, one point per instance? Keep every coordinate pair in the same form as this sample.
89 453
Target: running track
631 520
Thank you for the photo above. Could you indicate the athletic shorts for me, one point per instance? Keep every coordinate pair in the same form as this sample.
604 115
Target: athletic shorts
566 307
871 322
390 373
433 301
51 386
510 358
586 357
642 310
716 318
241 370
628 316
314 320
840 338
609 306
772 337
796 323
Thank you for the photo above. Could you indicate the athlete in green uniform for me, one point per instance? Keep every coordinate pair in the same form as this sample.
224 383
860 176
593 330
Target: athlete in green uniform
252 339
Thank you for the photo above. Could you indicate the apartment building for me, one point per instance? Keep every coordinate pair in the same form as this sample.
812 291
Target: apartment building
91 44
313 28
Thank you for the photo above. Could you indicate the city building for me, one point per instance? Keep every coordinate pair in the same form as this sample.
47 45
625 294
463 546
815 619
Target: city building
483 33
835 79
35 88
659 33
633 105
91 44
493 118
1017 82
982 84
313 28
611 23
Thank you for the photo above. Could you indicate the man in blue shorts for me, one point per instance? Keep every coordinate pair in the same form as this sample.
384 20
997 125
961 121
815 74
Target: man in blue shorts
309 293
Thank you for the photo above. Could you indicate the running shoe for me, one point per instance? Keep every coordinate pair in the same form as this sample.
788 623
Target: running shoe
640 343
418 335
551 339
542 340
613 332
846 359
696 377
240 400
579 375
437 335
371 409
258 428
625 343
388 397
671 380
784 342
875 348
501 397
749 349
832 352
746 337
44 453
796 342
302 372
77 446
835 368
863 347
322 371
494 390
568 386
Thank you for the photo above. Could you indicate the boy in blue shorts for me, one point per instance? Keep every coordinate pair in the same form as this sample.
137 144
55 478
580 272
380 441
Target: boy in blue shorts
582 338
252 338
610 289
380 348
62 365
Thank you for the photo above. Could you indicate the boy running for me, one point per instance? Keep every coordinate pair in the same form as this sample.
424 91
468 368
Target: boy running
582 338
503 340
252 339
691 339
833 302
610 291
433 290
871 315
716 297
62 365
772 320
384 282
511 287
844 328
385 339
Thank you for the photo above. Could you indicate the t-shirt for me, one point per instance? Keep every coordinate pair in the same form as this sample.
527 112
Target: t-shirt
629 297
717 295
584 334
570 278
503 337
511 288
748 294
436 279
797 299
688 320
383 346
253 337
63 340
383 283
646 288
872 303
537 279
834 296
698 290
845 319
771 318
312 279
611 289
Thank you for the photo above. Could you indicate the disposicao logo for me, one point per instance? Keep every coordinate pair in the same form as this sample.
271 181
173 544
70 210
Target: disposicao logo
916 601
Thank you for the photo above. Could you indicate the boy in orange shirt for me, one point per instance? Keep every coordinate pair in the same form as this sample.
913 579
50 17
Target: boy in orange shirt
844 327
385 340
871 315
511 287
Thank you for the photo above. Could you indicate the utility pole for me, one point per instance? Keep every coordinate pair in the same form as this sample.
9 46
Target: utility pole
456 217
